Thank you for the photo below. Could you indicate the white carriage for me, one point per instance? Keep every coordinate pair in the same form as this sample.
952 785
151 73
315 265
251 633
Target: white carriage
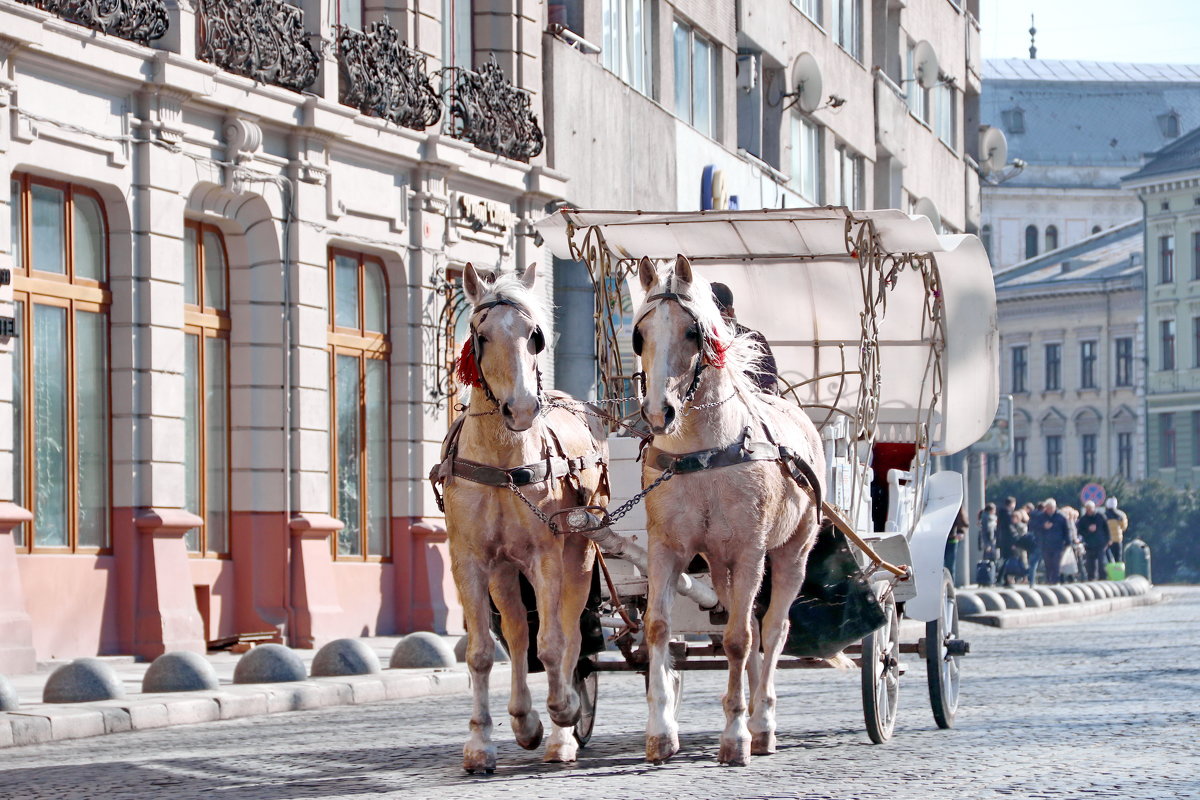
885 333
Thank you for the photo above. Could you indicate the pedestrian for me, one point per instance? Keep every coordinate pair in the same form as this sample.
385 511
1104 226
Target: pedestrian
1004 526
1053 534
766 373
1118 522
1093 528
958 532
1015 569
987 528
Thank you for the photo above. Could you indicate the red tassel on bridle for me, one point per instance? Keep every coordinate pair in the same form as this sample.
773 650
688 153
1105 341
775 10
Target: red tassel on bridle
719 348
467 368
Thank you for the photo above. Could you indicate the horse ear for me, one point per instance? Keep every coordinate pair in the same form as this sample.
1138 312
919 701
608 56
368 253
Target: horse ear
530 276
683 268
473 285
646 274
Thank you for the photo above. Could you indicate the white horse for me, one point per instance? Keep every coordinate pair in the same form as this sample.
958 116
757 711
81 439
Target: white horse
514 438
737 496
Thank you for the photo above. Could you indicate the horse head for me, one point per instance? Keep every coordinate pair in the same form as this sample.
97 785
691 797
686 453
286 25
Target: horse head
506 338
678 333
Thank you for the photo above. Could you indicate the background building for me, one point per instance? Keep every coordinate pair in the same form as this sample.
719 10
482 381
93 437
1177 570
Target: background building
1070 331
1169 188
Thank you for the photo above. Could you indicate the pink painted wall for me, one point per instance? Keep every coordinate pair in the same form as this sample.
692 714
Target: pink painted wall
365 591
72 603
217 574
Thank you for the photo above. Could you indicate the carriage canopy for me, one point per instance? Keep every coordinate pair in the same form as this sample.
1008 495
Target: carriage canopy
825 286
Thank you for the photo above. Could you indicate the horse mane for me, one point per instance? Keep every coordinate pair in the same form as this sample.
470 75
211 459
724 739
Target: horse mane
509 287
743 354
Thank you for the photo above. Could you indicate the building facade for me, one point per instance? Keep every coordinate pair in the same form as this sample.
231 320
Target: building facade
1075 377
230 234
1079 126
1169 188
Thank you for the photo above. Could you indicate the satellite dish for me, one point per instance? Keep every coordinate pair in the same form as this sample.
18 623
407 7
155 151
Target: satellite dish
925 207
807 85
925 64
993 149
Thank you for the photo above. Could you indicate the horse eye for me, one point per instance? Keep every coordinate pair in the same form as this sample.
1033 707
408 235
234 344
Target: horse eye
481 338
693 333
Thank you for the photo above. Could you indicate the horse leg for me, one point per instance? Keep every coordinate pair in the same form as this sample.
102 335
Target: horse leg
754 664
662 731
547 577
787 575
745 578
514 621
479 752
577 583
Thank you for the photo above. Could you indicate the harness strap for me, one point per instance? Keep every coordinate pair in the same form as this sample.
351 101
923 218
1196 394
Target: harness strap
552 467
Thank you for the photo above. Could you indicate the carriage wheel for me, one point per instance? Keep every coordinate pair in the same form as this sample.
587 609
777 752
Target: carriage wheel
881 674
941 667
587 684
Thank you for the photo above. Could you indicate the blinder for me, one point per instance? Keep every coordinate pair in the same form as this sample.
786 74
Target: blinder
637 342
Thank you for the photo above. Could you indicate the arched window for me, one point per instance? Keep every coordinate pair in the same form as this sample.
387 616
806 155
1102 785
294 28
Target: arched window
1051 238
206 385
1031 241
359 404
60 365
985 236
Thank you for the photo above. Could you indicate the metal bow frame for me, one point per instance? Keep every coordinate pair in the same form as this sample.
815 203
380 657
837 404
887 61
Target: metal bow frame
136 20
382 77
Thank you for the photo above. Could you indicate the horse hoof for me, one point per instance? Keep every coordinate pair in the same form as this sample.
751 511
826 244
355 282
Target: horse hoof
479 761
763 744
529 741
734 754
561 754
661 748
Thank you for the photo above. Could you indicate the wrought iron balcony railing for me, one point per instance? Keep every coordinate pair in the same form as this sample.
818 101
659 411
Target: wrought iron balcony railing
490 113
382 77
135 20
261 39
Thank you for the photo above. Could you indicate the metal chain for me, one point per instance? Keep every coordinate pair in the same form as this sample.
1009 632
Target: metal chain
688 409
537 512
626 507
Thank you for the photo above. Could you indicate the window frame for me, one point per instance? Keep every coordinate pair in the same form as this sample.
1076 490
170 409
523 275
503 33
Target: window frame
209 322
945 116
1020 369
1196 255
1125 454
678 25
1052 374
837 25
804 128
1054 454
1166 258
625 54
1123 355
1020 454
365 346
1031 242
1167 341
846 161
1050 234
1087 452
31 288
1088 357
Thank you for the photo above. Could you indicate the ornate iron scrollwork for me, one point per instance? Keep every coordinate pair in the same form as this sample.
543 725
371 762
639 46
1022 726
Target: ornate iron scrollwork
490 113
382 77
136 20
261 39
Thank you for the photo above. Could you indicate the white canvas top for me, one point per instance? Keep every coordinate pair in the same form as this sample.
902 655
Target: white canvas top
793 279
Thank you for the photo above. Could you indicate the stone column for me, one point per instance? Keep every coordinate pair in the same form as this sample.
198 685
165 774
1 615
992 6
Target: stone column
166 617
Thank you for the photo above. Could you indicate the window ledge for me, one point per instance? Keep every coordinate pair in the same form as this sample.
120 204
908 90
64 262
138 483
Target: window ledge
920 121
852 57
815 23
949 147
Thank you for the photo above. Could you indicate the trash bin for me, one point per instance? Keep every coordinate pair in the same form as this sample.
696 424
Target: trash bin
1115 570
1137 558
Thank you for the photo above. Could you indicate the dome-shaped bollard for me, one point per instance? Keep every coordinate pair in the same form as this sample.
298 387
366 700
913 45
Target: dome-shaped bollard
1012 600
269 663
180 671
499 656
1064 597
345 657
1089 591
991 601
83 680
1049 598
969 605
422 649
1030 596
1076 592
8 696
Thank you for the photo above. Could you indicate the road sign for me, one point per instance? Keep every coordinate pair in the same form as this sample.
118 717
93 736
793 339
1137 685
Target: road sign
1093 492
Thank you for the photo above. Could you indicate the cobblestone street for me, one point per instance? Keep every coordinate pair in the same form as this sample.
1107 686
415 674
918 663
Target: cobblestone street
1104 708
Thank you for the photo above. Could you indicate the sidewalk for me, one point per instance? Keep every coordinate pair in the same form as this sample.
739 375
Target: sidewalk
36 722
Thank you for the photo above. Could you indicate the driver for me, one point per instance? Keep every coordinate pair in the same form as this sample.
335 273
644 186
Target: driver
767 377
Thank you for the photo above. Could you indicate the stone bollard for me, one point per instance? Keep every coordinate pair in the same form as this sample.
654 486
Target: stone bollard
8 696
422 649
1030 596
969 605
345 657
269 663
83 680
180 671
499 655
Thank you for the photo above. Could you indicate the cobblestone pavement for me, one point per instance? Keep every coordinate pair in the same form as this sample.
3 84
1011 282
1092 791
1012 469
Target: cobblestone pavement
1106 708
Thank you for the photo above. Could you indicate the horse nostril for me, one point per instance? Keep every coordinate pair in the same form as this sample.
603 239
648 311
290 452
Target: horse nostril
668 415
505 410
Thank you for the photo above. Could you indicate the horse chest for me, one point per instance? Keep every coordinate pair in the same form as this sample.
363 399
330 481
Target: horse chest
723 504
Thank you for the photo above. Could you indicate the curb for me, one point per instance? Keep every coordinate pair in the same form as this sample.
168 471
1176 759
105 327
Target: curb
36 723
1019 618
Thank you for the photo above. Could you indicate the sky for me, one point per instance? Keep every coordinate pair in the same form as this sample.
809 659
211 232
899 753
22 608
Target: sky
1147 31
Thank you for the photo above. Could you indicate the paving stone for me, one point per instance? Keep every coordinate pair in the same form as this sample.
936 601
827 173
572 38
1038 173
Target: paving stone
28 729
187 710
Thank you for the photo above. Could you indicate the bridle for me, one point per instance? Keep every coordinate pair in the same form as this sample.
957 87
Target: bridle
707 344
537 338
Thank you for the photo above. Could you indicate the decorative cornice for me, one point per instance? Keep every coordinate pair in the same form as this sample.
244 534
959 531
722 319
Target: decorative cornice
383 78
261 39
136 20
